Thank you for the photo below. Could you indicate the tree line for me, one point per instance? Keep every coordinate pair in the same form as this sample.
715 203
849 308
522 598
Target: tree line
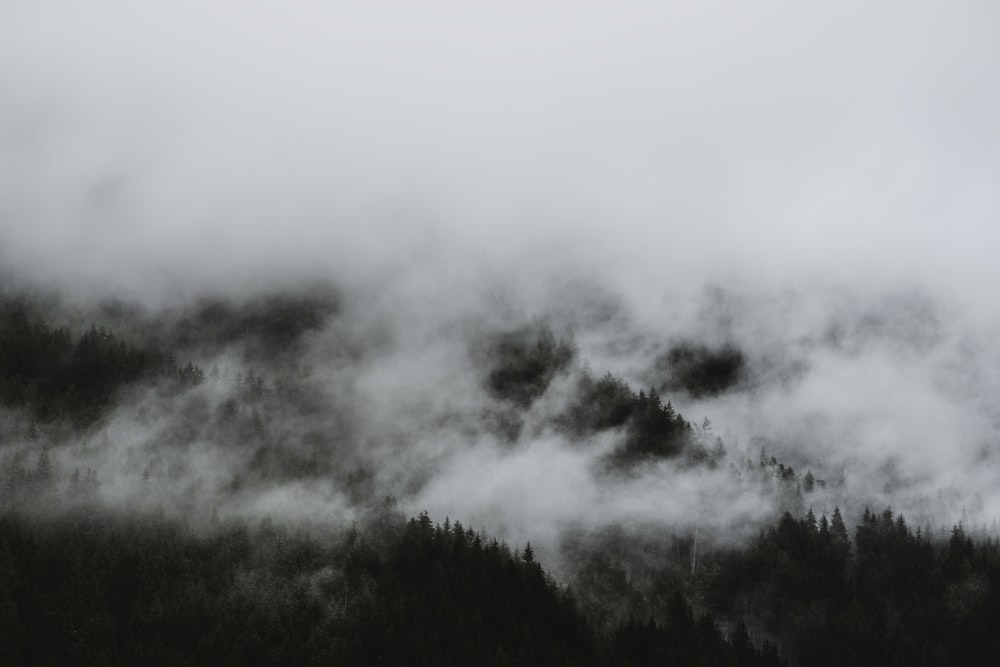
101 588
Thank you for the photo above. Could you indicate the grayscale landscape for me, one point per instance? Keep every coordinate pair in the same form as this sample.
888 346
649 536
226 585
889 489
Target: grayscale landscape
531 334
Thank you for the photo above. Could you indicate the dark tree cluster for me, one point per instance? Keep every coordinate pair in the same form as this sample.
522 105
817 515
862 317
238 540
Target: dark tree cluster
266 324
452 597
522 363
55 375
653 622
653 430
600 404
685 640
86 589
701 370
892 597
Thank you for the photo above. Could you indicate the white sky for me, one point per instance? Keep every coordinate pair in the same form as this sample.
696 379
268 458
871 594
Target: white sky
772 139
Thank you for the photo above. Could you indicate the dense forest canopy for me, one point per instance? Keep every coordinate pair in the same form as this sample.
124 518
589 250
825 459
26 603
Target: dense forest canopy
187 485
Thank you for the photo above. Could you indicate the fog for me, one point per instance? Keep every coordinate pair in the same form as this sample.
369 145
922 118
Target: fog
815 185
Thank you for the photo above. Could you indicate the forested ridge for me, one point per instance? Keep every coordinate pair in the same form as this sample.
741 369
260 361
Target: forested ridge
101 566
106 589
92 587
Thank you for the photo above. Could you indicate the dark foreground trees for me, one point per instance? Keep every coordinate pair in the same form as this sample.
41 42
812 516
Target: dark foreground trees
95 589
894 596
88 587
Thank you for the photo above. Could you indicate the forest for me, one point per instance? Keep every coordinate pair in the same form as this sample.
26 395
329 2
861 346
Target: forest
516 334
111 555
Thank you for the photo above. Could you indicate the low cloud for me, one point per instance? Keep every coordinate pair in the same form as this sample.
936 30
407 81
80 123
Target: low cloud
814 191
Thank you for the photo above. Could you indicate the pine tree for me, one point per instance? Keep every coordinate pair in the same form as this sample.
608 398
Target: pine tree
43 468
808 482
837 527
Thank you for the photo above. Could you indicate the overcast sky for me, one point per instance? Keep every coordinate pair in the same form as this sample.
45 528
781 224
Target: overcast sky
834 166
769 139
